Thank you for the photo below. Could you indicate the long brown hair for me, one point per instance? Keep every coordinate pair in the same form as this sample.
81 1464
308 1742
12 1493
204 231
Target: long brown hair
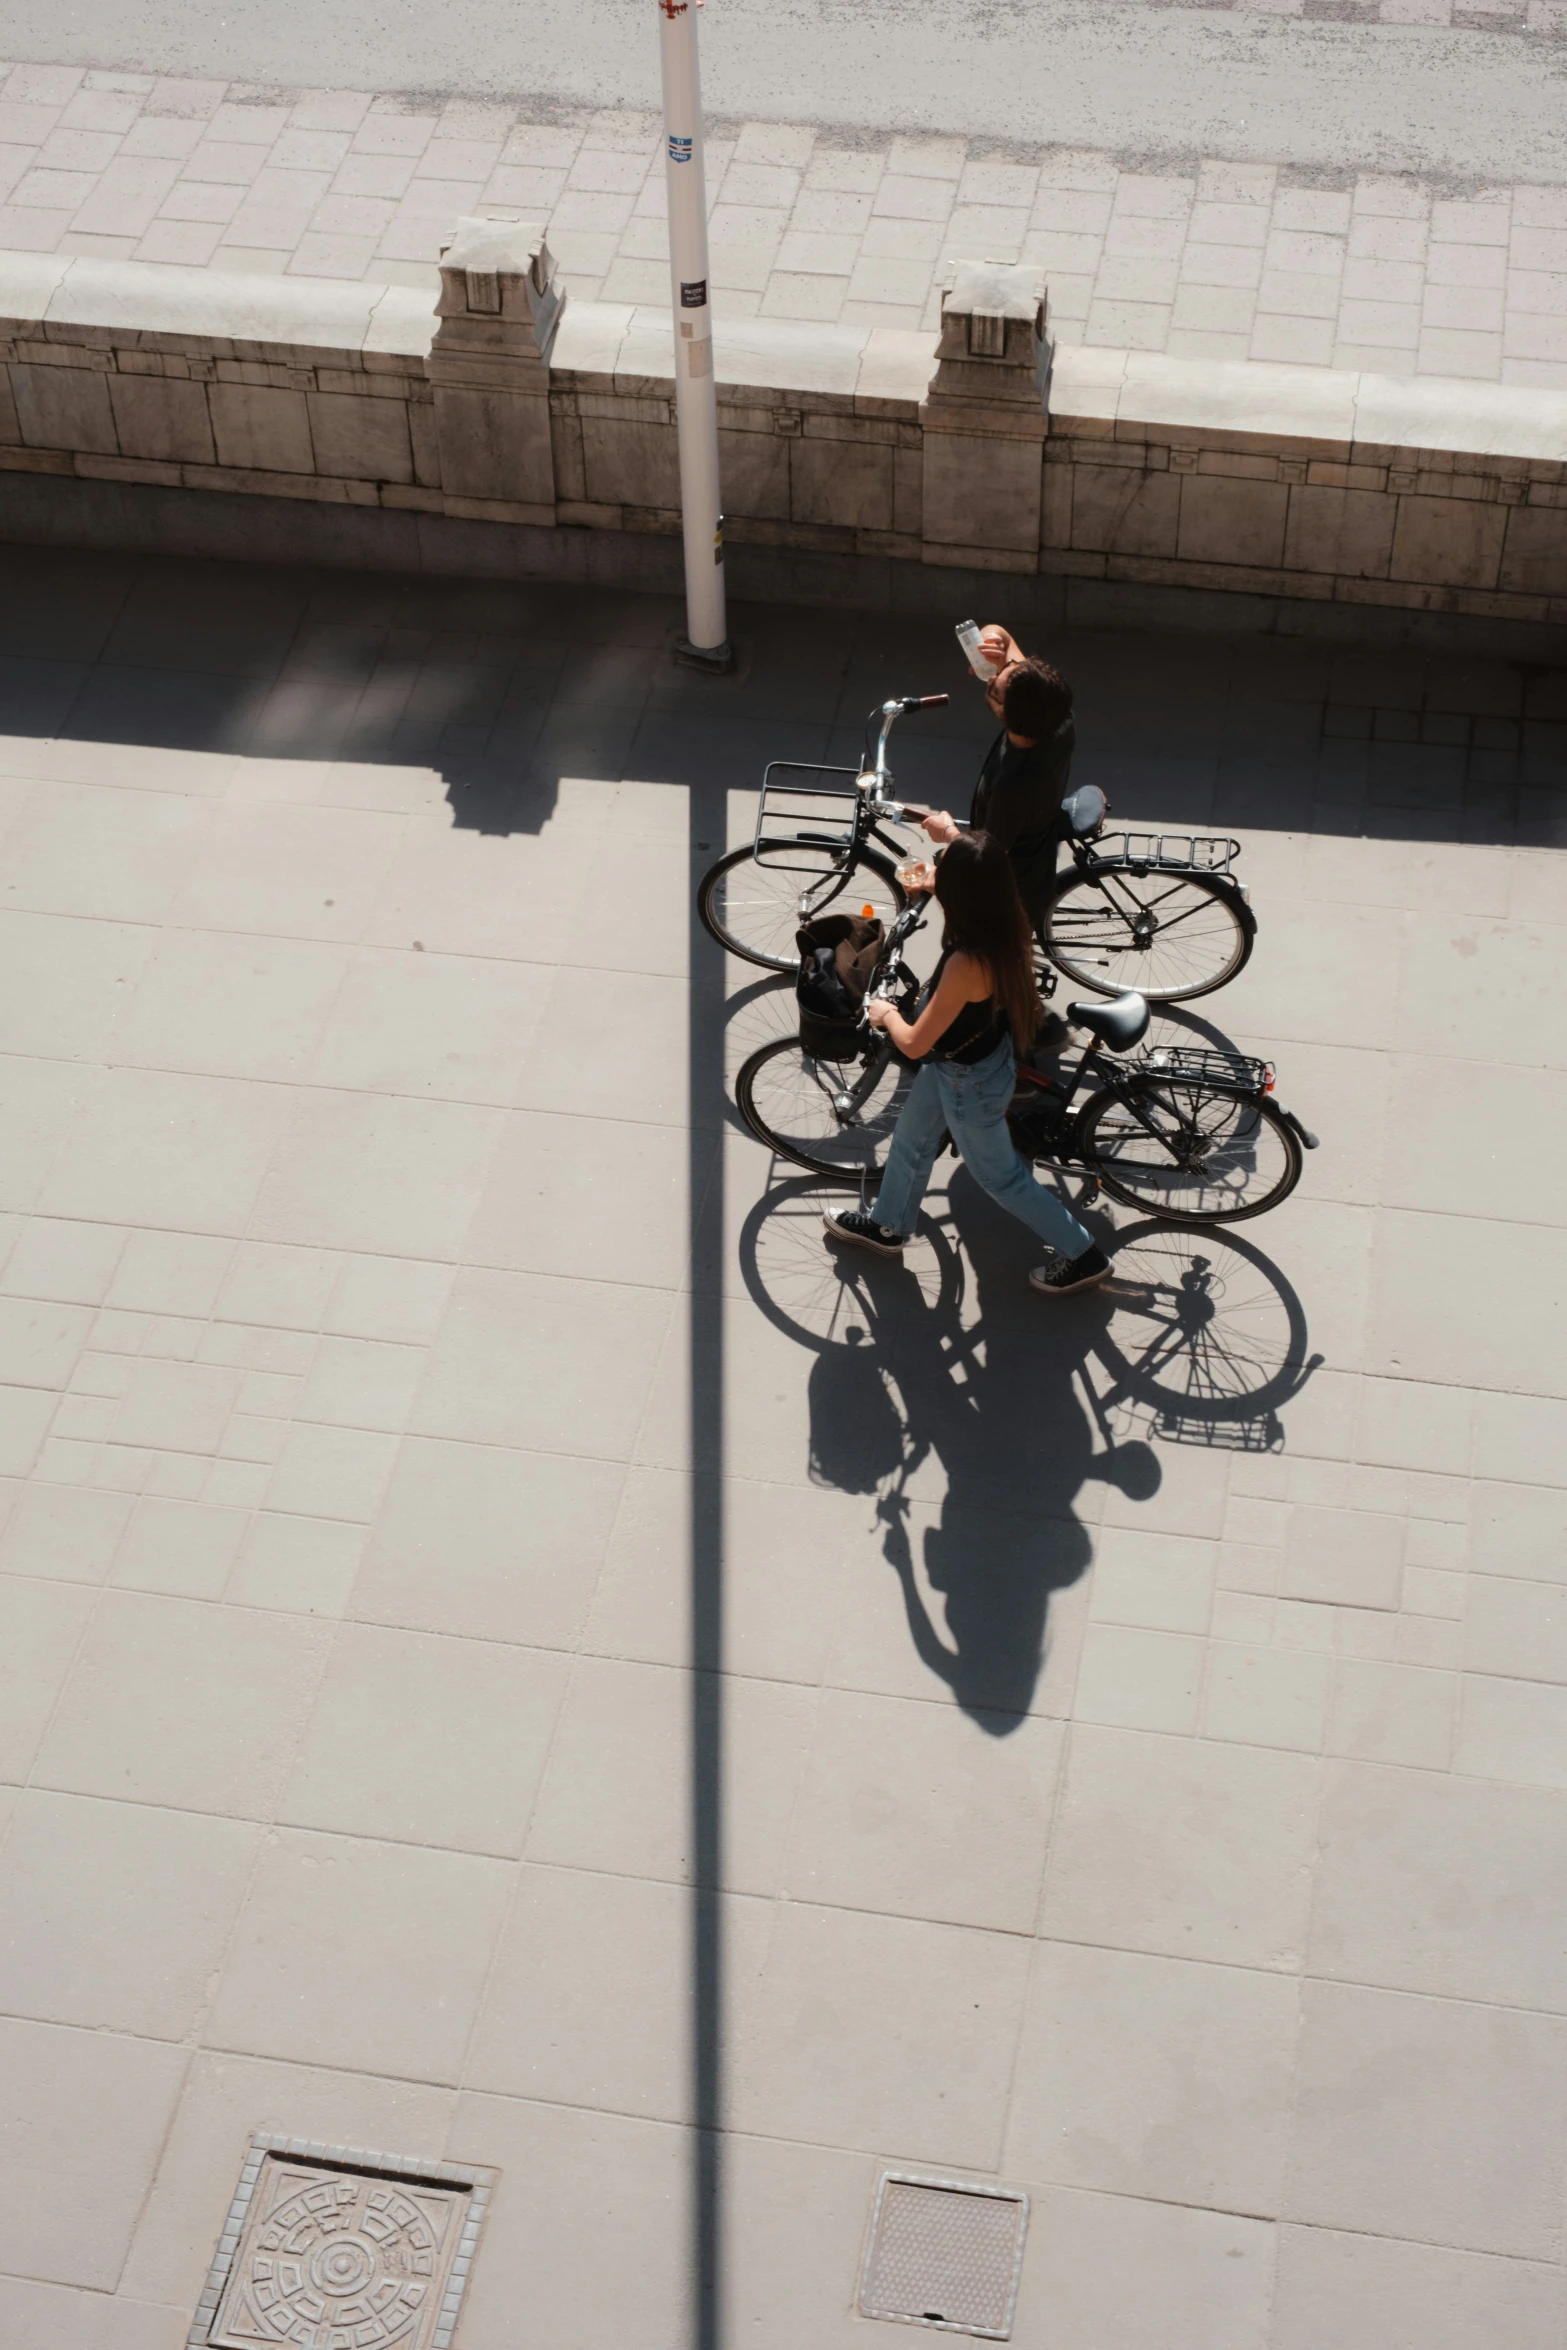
984 918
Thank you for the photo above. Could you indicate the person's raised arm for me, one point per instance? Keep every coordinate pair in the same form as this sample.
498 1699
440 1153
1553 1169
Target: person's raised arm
999 646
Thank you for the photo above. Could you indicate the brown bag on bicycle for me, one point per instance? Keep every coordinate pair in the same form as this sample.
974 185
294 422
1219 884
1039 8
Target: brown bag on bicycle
838 953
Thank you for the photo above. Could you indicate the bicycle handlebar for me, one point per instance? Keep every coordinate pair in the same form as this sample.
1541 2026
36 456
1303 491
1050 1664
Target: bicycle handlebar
889 713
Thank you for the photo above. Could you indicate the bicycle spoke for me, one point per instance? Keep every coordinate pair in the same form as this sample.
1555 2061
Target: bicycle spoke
789 1099
757 908
1169 937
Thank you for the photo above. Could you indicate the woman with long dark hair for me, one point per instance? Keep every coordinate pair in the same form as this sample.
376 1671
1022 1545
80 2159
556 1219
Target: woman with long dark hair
980 1010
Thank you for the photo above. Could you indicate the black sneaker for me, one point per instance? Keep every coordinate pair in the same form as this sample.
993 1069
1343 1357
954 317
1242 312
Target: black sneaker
1059 1275
853 1224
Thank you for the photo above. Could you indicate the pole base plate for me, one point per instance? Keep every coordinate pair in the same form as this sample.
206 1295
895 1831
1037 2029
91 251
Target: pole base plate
714 660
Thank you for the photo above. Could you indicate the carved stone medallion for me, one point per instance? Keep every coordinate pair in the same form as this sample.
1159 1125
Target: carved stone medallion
337 2249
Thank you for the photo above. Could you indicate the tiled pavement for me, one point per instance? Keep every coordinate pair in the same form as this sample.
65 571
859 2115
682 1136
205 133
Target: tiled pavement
1211 260
1546 17
1140 1733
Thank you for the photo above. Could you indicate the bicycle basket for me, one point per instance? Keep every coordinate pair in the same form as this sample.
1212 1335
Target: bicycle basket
1170 852
1213 1072
805 823
838 953
829 1040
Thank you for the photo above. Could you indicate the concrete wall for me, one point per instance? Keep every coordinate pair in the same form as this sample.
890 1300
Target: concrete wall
1417 493
1248 481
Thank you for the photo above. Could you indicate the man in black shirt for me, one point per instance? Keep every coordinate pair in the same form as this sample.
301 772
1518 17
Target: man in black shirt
1024 778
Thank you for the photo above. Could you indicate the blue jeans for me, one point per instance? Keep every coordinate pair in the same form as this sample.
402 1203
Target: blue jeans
970 1104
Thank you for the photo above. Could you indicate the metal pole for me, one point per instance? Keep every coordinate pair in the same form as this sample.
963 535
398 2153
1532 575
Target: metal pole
706 643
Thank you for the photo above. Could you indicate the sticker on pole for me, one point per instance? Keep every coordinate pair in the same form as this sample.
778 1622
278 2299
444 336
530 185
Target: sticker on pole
718 541
693 293
679 149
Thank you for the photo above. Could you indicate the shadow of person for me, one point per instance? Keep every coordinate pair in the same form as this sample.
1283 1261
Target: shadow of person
991 1396
857 1433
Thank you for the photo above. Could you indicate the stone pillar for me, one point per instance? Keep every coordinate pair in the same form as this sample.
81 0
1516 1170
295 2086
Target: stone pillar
984 420
489 366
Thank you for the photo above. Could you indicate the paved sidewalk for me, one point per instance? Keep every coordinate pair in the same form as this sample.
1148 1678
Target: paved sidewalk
1547 17
511 1649
1213 260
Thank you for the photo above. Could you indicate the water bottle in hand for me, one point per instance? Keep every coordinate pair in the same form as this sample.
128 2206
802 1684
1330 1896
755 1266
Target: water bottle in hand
969 638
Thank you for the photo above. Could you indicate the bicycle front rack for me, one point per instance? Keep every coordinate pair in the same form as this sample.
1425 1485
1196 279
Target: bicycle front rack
1170 852
799 814
1228 1072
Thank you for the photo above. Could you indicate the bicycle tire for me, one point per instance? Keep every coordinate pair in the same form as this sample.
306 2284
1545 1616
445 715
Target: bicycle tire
1159 1192
1122 964
710 892
850 1166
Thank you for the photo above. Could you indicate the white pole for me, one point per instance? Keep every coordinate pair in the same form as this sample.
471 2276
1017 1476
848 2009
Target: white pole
696 407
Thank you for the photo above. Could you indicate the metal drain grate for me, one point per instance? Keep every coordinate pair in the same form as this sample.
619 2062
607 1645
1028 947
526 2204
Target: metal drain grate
946 2254
339 2249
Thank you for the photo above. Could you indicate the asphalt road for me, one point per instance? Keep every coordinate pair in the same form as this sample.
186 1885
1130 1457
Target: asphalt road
1155 81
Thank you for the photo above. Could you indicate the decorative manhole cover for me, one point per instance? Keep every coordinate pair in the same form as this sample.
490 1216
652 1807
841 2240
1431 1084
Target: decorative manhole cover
943 2253
334 2248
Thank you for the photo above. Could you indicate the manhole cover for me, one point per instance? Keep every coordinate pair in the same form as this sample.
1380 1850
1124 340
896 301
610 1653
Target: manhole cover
335 2248
944 2254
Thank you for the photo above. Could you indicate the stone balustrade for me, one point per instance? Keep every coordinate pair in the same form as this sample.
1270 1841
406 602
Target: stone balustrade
299 419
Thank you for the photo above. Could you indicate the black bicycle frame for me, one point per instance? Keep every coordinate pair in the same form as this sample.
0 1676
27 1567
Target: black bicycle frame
1111 1075
1102 871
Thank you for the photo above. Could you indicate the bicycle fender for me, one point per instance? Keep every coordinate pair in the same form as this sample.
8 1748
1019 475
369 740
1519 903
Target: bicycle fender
1303 1134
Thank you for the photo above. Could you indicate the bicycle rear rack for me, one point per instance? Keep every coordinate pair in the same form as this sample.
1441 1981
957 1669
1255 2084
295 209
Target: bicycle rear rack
798 814
1170 852
1225 1072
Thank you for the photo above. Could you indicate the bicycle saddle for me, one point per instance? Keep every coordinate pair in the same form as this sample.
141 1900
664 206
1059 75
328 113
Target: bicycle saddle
1117 1025
1084 811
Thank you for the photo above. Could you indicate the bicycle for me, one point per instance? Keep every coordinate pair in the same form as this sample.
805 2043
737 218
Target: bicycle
1191 1136
1161 912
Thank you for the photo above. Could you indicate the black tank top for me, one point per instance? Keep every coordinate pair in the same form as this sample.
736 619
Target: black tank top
976 1031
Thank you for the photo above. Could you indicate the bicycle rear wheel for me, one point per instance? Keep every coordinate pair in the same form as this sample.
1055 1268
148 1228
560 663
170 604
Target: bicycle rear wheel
1171 936
1202 1158
786 1099
754 910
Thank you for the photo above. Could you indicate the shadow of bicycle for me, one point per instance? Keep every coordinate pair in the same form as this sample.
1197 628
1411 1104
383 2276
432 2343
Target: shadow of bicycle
978 1414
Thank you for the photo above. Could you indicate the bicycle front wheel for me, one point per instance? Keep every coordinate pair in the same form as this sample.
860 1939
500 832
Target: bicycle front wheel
1189 1156
786 1099
754 910
1171 936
